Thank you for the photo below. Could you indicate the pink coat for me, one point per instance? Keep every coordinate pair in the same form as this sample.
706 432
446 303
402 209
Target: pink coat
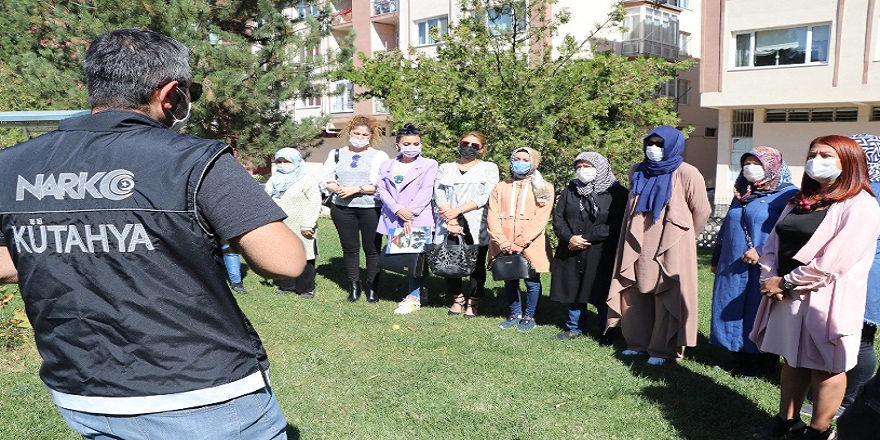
819 325
415 193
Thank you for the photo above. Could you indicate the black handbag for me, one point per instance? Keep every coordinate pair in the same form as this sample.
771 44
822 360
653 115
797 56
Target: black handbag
406 264
511 267
452 259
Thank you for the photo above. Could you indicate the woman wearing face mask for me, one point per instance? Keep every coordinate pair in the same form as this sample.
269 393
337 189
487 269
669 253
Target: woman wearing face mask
351 178
760 193
587 220
406 186
461 192
299 195
815 267
653 294
519 208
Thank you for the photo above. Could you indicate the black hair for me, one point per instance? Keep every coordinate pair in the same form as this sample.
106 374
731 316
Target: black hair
408 130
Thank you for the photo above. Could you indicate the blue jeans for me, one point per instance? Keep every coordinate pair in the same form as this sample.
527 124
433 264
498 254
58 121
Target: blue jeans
233 267
533 292
415 285
577 318
254 416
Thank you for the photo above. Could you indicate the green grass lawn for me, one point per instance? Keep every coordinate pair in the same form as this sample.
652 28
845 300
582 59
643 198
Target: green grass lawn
341 371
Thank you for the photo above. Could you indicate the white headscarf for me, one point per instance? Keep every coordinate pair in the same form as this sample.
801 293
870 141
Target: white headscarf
280 180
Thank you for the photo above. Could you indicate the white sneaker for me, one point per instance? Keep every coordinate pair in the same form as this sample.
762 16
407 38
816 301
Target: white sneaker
656 361
408 305
629 352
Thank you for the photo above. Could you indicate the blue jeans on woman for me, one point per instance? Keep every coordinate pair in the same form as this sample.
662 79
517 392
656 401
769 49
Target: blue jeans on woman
533 292
233 267
415 285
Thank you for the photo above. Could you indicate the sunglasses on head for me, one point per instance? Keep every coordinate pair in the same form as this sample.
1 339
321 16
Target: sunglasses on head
470 144
650 142
195 90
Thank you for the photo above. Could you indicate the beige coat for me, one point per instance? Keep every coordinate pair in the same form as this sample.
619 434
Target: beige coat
526 227
664 256
302 204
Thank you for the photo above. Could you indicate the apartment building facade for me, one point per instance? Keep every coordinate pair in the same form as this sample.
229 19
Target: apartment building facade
782 73
665 28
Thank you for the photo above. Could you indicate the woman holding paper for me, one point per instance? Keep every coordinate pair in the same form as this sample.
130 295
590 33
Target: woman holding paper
405 187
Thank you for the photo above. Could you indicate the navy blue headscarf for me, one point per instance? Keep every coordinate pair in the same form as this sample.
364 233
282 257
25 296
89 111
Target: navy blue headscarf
652 181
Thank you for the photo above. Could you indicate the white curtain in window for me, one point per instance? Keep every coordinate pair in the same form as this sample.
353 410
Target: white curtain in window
770 42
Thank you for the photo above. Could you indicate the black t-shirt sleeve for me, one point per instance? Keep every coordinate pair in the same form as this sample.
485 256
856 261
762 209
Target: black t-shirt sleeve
232 202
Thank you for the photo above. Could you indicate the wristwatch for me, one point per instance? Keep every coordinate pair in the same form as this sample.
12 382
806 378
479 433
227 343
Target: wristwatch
787 285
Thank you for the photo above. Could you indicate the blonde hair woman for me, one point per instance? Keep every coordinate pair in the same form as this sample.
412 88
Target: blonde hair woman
350 177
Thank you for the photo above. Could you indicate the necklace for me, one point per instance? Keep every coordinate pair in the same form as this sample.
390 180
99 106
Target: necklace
806 205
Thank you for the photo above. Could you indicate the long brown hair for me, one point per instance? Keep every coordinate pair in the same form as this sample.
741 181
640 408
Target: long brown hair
852 180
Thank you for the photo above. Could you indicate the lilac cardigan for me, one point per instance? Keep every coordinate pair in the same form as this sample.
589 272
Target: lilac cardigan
414 193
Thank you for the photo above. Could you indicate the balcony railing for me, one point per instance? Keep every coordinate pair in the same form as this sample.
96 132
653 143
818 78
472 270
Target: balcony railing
648 47
384 6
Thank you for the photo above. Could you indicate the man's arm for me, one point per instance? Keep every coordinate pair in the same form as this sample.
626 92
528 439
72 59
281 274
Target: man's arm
8 273
272 251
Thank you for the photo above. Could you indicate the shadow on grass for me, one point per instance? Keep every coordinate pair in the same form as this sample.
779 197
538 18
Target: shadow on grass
696 405
292 432
333 269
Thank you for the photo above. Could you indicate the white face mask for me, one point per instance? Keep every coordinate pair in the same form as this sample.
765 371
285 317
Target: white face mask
285 168
654 153
358 143
822 170
586 174
178 124
754 173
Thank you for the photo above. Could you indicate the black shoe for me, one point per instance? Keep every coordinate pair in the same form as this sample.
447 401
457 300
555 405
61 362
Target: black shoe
372 290
814 434
355 293
567 335
607 339
781 428
238 287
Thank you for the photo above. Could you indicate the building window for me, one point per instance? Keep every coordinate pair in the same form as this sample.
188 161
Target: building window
781 47
684 42
875 113
684 4
651 31
310 55
677 89
742 127
379 106
505 19
343 98
683 92
838 114
306 8
425 26
711 132
384 6
309 102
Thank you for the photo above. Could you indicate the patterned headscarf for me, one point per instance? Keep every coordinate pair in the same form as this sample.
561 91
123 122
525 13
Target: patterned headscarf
539 185
604 178
776 175
280 182
871 146
652 181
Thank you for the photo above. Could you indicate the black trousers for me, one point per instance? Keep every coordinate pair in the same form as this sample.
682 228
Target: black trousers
357 229
861 420
865 365
301 284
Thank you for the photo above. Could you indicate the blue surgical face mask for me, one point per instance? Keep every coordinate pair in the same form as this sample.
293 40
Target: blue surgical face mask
519 167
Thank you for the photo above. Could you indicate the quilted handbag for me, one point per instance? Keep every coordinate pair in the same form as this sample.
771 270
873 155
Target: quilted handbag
452 259
406 264
510 267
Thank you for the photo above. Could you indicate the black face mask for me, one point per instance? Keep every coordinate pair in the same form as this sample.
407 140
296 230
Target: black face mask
468 152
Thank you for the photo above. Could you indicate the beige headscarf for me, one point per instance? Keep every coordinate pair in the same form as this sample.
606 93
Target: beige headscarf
539 185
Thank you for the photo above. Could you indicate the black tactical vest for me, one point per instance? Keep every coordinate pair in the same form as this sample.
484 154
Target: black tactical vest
122 281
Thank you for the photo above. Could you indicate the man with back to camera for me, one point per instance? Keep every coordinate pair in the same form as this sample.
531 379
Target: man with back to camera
111 226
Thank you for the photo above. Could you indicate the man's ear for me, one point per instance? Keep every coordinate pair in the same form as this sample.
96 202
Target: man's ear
163 100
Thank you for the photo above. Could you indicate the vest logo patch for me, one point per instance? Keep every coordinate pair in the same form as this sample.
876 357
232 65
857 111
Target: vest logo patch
36 238
111 185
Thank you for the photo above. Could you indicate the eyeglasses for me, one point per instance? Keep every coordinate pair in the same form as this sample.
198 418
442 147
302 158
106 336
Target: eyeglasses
407 144
470 144
354 161
195 90
657 143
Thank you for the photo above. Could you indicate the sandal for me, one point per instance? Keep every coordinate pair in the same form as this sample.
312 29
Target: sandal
457 301
814 434
781 428
473 307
